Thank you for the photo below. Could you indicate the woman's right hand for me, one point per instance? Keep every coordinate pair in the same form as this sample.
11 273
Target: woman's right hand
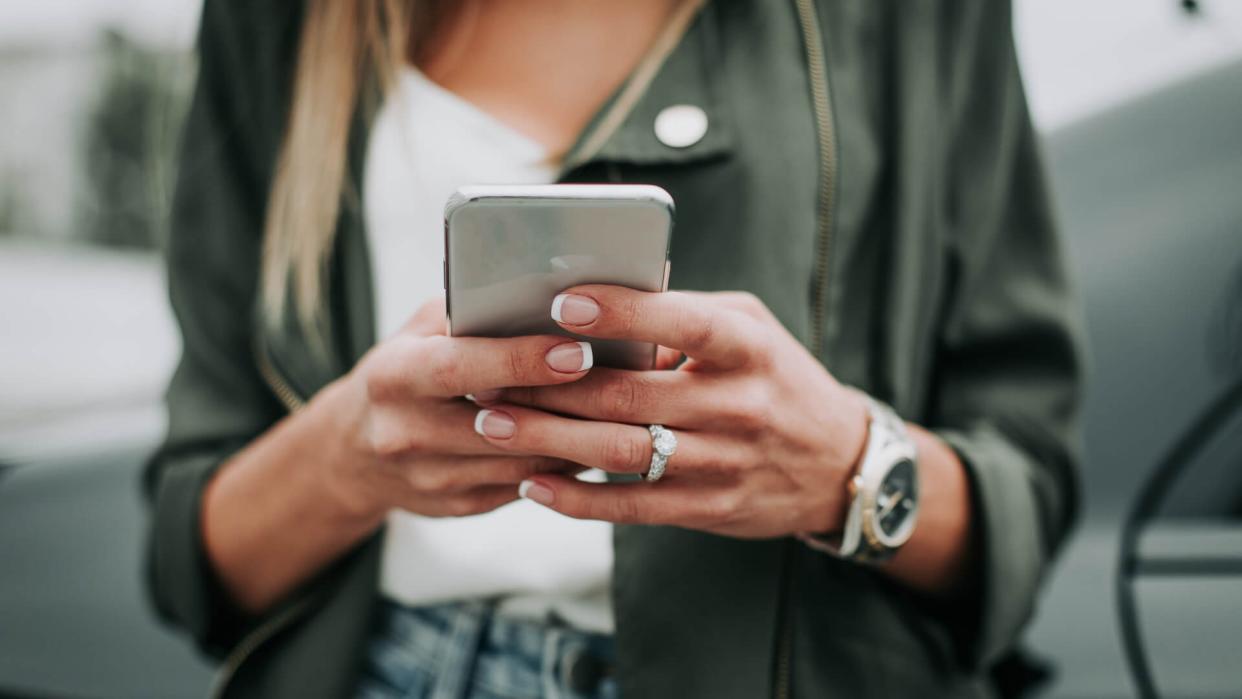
408 435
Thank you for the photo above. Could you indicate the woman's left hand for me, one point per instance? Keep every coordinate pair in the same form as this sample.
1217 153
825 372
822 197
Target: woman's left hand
767 438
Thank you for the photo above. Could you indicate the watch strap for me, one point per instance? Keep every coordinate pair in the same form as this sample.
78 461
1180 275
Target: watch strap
883 426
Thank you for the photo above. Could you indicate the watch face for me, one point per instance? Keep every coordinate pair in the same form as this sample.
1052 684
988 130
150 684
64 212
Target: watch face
897 500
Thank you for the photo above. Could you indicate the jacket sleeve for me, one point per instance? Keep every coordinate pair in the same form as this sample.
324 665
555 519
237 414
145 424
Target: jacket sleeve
217 401
1006 392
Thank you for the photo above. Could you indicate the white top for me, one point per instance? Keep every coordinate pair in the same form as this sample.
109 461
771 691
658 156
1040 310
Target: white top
426 142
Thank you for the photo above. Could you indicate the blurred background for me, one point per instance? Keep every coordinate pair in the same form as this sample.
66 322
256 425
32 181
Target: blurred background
1140 102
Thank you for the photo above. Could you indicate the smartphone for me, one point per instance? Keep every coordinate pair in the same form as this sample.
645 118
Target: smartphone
510 249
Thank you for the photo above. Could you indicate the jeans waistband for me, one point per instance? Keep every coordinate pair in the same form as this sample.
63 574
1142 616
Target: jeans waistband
462 650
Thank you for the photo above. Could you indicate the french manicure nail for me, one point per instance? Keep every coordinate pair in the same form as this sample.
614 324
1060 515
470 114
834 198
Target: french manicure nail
572 309
536 492
570 357
494 424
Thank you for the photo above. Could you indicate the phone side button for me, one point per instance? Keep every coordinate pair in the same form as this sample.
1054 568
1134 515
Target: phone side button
444 274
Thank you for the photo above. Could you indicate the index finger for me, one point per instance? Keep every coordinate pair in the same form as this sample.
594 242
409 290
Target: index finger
443 366
706 331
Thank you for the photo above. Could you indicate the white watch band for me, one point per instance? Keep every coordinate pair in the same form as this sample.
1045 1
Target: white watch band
884 428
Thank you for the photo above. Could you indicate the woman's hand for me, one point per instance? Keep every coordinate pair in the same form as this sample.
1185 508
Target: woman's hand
393 433
766 436
407 431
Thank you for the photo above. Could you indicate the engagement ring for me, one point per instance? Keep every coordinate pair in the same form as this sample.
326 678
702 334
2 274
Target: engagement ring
663 445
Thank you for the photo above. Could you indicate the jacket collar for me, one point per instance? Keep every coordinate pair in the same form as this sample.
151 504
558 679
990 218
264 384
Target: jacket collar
680 69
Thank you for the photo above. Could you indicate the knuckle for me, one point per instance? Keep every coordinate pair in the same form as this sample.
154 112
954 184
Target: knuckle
517 363
378 383
621 453
381 374
760 345
625 510
752 408
751 305
619 397
449 481
382 444
697 329
430 480
386 440
722 508
627 315
441 365
746 303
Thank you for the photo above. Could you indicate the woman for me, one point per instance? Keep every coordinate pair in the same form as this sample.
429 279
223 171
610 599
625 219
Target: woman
862 212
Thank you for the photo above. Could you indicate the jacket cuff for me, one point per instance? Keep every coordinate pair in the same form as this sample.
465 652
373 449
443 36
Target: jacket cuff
183 583
1010 555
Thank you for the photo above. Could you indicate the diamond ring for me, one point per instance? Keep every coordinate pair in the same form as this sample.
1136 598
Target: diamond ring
663 445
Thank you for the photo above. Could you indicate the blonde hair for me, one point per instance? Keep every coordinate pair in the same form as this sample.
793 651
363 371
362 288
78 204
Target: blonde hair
343 44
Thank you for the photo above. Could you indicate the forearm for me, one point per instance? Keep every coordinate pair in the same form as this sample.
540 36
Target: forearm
938 557
272 515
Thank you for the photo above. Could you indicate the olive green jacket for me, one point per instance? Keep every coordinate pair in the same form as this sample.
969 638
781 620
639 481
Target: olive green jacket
869 171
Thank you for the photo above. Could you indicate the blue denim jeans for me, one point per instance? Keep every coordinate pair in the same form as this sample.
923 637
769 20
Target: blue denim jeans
461 650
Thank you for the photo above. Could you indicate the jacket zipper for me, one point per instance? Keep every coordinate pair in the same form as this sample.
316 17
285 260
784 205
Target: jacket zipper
824 133
252 641
277 383
260 635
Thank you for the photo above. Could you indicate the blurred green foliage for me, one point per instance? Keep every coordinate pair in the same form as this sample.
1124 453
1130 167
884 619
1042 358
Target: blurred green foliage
130 137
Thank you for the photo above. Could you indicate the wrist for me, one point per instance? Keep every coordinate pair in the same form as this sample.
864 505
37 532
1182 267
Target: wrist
848 449
334 419
856 432
882 492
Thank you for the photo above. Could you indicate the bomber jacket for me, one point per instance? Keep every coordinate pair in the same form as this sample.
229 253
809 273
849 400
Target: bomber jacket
869 171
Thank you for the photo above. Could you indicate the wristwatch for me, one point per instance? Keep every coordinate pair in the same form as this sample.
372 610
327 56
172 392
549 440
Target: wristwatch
884 493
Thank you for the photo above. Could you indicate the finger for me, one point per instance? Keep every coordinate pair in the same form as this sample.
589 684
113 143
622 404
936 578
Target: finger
668 358
605 445
443 428
686 503
708 332
444 366
454 475
475 502
637 397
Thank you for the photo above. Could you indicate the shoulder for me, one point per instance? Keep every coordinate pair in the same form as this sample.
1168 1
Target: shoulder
251 27
247 54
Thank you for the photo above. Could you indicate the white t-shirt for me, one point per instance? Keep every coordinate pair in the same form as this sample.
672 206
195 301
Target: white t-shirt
424 143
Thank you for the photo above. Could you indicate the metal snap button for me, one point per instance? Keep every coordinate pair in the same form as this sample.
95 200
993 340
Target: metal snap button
681 125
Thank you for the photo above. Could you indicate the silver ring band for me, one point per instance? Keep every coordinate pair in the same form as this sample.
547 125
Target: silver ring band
663 446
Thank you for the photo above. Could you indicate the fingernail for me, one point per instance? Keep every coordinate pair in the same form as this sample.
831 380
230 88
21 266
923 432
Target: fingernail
494 424
570 357
488 396
572 309
537 492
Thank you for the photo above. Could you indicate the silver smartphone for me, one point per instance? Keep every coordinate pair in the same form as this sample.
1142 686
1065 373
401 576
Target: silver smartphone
509 250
